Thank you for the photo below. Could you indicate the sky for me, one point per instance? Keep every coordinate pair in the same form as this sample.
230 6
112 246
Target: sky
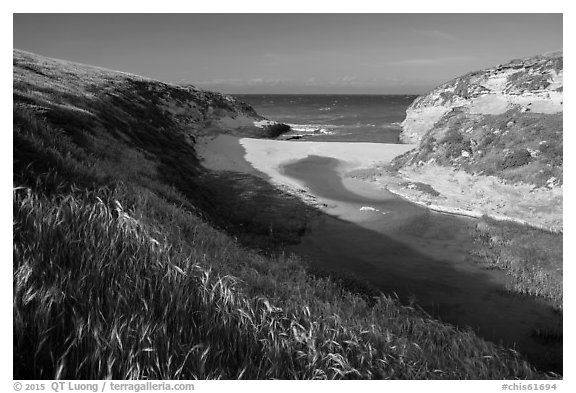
292 53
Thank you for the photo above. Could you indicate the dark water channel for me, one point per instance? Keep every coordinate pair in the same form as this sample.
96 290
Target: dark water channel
422 256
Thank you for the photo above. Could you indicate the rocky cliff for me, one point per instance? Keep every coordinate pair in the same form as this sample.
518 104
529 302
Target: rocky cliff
488 143
534 84
505 121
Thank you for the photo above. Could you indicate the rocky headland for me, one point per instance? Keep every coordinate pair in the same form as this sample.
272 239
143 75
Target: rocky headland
489 144
531 85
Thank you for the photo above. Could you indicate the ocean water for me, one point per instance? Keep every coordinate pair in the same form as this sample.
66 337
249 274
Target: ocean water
343 118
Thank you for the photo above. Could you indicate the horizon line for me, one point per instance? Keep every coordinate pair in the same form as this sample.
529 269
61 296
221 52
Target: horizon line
325 94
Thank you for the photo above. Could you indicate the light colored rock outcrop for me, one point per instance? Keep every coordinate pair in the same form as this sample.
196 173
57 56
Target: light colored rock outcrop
488 143
534 84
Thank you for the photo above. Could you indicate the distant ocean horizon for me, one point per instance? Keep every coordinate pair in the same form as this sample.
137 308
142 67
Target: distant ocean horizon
335 117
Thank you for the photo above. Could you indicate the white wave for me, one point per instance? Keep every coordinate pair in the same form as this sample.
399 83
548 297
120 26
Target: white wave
310 129
369 208
396 124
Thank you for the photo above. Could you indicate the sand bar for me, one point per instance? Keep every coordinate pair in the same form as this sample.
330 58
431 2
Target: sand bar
266 157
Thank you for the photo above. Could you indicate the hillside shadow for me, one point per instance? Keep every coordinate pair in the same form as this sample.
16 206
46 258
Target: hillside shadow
367 262
469 297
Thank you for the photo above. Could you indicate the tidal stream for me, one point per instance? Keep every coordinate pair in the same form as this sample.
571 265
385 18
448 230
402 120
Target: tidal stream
421 256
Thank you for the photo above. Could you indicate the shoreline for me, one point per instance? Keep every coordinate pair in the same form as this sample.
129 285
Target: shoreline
471 213
265 158
458 193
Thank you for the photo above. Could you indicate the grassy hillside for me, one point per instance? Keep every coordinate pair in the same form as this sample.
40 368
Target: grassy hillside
530 256
130 261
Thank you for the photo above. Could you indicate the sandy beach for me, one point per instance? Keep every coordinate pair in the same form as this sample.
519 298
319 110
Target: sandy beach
460 193
265 157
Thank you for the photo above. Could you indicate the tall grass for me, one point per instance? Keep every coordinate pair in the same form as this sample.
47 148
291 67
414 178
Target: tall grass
532 257
101 293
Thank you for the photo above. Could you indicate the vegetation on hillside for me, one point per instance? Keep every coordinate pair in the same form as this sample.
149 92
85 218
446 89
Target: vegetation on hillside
128 261
515 146
531 256
522 75
522 82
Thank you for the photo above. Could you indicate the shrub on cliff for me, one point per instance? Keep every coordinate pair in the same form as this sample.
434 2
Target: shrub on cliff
552 152
454 143
516 158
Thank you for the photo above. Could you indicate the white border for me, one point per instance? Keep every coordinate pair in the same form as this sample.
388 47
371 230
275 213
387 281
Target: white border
295 6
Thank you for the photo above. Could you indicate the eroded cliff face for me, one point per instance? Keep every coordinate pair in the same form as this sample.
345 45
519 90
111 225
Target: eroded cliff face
505 122
89 96
488 143
534 84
